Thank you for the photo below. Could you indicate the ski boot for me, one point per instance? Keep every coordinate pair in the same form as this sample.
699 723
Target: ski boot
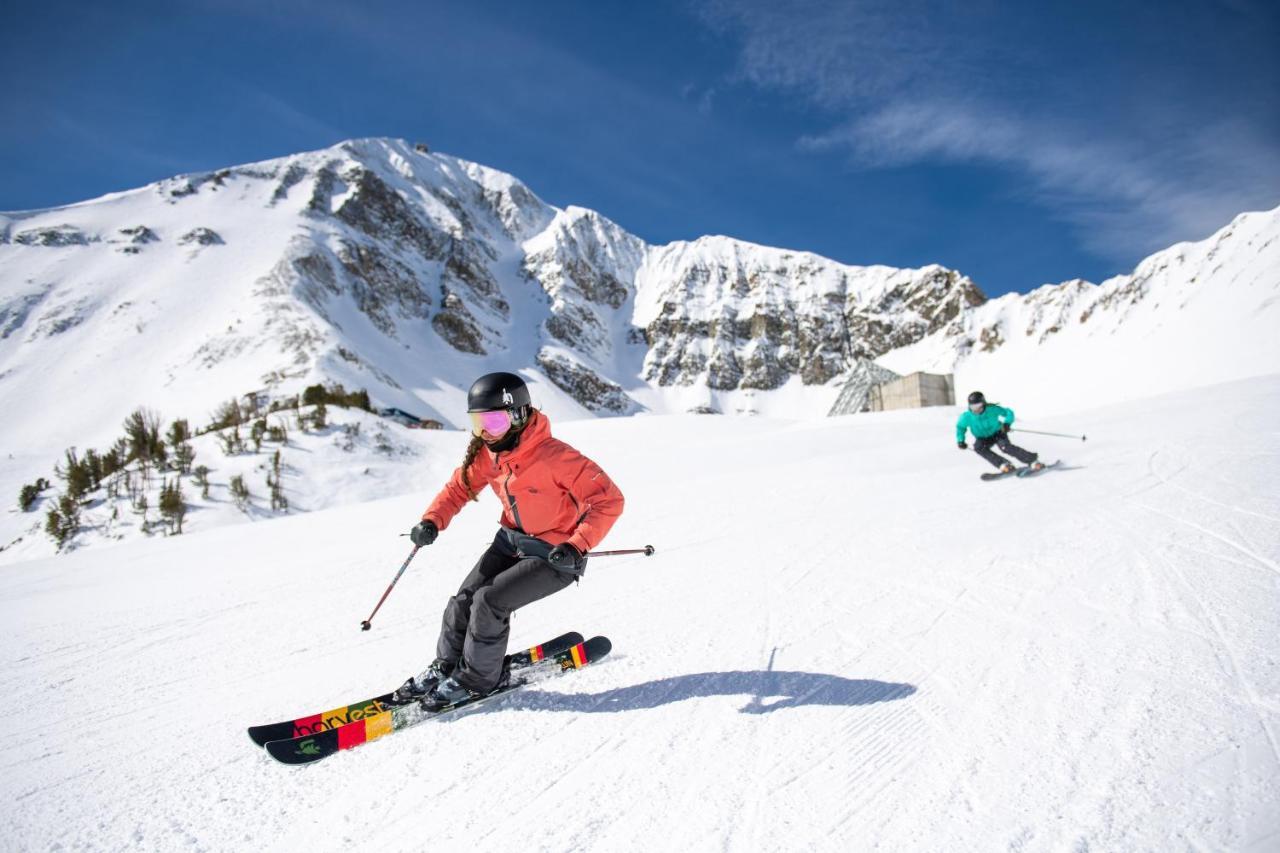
1036 466
447 693
420 685
1006 468
450 692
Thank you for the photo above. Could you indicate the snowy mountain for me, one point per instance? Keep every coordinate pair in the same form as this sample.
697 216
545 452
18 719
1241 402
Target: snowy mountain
381 266
919 661
407 273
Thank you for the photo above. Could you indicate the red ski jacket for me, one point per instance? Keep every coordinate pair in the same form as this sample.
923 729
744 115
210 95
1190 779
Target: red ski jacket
547 489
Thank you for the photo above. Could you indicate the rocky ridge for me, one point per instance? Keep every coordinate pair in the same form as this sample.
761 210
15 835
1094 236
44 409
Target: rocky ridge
381 265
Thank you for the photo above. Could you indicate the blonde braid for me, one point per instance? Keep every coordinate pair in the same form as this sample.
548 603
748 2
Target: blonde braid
472 450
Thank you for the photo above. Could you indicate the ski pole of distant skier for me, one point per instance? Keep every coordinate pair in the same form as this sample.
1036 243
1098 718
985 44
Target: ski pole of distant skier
647 550
1058 434
368 623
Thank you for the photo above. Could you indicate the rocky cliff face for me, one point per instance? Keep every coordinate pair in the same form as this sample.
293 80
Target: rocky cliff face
734 315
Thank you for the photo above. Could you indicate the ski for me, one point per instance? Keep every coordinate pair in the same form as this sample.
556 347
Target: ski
322 744
1027 472
313 723
998 475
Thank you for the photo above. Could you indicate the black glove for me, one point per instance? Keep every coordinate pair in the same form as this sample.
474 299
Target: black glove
424 533
566 558
963 445
1005 427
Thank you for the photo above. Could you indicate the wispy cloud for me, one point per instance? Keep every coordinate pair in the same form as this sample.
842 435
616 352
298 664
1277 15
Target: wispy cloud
110 141
905 84
276 109
1125 196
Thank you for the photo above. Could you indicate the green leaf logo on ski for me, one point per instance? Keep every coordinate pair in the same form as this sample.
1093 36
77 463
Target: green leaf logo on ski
308 747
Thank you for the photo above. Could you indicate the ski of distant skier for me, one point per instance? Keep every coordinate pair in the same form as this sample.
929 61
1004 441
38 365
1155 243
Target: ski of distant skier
1025 471
320 736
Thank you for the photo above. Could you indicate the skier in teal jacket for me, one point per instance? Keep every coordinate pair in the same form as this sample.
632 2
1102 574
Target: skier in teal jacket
990 425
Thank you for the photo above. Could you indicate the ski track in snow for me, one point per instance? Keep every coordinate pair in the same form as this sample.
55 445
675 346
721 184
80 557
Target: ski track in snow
845 641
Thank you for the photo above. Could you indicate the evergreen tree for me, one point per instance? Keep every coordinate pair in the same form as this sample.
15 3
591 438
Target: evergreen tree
179 437
276 484
313 394
116 458
232 442
179 433
201 476
228 414
76 475
240 492
183 457
142 431
63 520
93 466
173 505
31 493
257 432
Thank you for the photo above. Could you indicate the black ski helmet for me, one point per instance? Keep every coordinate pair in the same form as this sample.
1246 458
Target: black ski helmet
976 397
495 391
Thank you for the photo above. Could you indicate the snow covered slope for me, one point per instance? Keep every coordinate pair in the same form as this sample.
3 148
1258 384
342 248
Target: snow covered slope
875 650
1194 314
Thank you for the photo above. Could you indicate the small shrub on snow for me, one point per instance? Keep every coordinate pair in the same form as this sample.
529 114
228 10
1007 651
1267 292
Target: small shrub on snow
240 492
31 493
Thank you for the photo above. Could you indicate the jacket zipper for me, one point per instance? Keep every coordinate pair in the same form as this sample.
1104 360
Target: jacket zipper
511 499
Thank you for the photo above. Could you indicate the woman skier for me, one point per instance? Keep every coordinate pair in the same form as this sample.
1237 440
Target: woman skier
990 425
556 505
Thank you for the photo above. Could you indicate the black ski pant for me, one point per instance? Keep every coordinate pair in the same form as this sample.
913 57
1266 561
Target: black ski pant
982 446
477 621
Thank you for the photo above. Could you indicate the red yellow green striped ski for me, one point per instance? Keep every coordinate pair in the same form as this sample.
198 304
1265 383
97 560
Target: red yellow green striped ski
321 744
363 710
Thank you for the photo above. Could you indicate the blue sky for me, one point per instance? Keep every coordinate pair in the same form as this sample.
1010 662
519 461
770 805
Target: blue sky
1019 143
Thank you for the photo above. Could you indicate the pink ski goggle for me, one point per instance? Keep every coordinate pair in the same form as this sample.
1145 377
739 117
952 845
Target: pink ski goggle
494 423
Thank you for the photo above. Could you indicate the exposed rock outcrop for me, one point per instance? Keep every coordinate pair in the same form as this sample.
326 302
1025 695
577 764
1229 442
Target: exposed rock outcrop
57 235
584 385
201 237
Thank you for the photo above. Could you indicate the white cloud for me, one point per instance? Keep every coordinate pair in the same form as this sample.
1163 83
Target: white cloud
1125 195
909 84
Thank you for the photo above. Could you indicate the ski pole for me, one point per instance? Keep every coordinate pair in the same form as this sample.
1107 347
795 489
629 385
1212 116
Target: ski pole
647 550
367 624
1058 434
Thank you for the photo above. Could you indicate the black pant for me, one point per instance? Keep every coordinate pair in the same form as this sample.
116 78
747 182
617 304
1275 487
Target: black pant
982 446
477 621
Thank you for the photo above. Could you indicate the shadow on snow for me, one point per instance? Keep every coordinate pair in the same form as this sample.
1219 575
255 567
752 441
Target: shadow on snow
769 690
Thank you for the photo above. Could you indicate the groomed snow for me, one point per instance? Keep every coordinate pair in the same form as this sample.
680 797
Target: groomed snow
845 641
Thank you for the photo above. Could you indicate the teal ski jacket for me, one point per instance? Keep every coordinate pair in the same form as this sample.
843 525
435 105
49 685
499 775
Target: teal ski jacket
984 425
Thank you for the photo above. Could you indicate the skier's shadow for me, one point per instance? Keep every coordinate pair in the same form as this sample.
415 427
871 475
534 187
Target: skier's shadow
770 690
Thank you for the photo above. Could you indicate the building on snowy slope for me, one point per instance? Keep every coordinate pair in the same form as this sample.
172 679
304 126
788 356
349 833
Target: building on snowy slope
864 376
914 391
